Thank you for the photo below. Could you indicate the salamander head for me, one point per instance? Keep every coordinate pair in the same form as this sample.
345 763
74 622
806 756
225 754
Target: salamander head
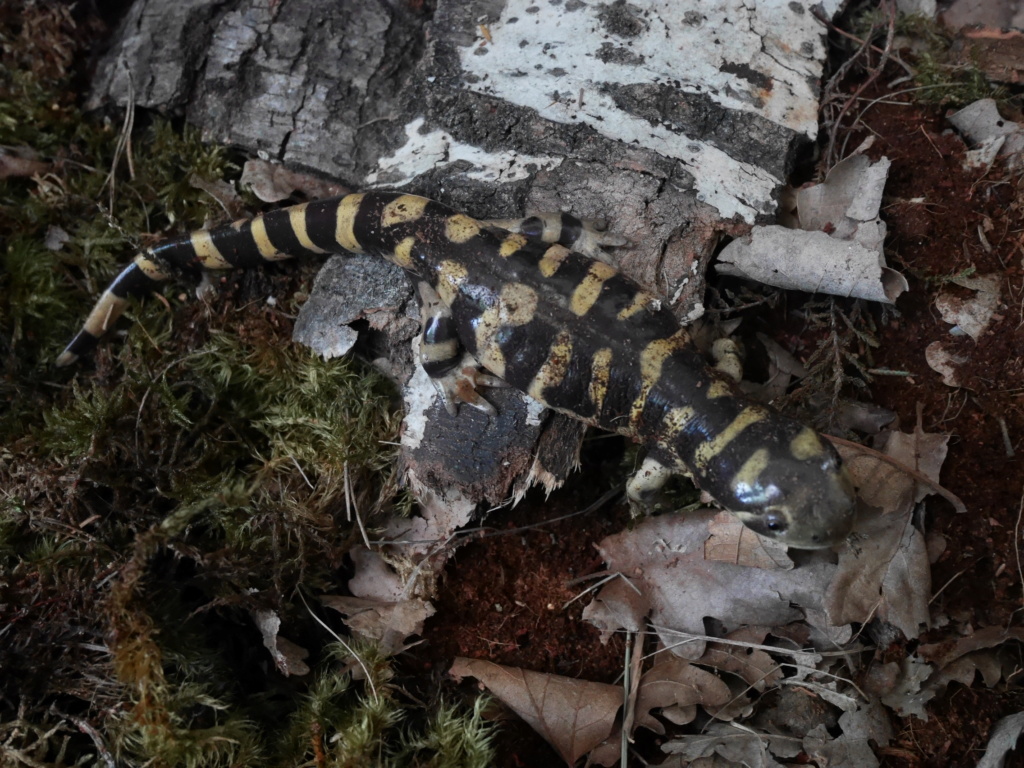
807 502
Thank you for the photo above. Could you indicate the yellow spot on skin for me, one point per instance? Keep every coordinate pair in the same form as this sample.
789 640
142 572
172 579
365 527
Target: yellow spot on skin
258 231
402 210
600 373
461 228
676 419
297 219
718 389
751 470
345 220
511 244
709 450
589 289
806 445
641 301
450 277
402 255
552 259
554 368
209 256
518 304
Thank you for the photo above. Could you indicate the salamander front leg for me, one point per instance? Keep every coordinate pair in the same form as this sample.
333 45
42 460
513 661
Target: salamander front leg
587 236
441 356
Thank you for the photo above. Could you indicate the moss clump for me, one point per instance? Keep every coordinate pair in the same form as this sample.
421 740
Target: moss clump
197 473
940 75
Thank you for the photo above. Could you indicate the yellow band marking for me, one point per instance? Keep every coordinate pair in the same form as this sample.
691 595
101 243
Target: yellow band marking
461 228
149 267
450 278
402 254
641 301
552 259
261 238
658 351
297 219
345 221
553 371
512 244
709 450
107 310
600 372
676 419
206 251
402 210
652 359
589 289
806 445
718 389
746 478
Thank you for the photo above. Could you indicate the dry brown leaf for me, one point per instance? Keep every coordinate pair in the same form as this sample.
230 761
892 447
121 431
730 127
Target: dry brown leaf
732 542
390 624
860 729
943 654
272 183
884 485
971 316
374 578
619 605
945 363
664 556
753 665
723 742
886 574
677 685
385 605
573 716
223 193
289 657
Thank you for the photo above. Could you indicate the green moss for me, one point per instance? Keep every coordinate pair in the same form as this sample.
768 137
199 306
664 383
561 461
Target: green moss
940 77
196 470
453 738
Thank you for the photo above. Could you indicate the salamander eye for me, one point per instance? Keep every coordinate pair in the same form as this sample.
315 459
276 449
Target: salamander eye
775 521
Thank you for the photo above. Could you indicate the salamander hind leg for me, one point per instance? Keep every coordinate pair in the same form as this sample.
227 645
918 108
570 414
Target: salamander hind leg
442 357
647 481
587 236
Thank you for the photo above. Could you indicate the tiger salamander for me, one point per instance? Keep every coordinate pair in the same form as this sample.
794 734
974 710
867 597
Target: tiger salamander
564 327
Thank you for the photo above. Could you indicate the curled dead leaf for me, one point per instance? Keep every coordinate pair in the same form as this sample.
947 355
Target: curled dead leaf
573 716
